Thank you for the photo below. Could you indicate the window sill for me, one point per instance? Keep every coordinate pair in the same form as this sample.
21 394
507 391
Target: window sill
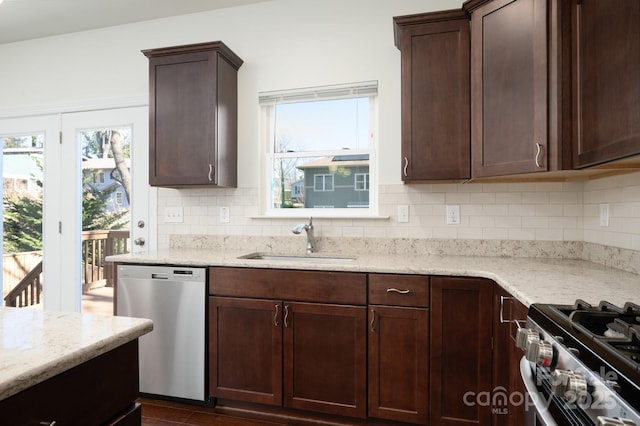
315 215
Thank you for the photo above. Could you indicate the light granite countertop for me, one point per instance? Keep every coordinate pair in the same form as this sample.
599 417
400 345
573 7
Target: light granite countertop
530 280
36 345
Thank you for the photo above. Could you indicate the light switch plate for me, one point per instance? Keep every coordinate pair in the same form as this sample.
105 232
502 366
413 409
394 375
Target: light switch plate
173 215
403 214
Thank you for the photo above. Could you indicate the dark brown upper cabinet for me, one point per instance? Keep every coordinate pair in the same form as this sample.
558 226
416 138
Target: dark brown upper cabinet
193 115
435 95
519 75
606 76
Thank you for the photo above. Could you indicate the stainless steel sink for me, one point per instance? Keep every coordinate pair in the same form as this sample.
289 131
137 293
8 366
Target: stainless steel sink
294 258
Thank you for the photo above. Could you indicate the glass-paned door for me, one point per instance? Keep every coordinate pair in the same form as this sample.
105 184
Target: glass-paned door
110 148
29 150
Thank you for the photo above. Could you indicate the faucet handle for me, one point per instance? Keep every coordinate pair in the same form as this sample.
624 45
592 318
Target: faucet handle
310 221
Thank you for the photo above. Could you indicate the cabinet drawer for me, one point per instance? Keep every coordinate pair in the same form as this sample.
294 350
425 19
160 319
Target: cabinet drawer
399 290
284 284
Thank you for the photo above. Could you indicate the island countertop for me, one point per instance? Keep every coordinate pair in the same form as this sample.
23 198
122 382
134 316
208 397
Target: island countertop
36 345
530 280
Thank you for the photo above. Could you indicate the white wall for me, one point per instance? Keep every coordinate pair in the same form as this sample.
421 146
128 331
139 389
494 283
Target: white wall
301 43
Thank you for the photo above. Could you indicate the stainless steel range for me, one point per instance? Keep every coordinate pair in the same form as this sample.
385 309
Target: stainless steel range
582 364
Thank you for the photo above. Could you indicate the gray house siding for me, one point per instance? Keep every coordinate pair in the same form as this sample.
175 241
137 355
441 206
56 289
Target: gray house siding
343 194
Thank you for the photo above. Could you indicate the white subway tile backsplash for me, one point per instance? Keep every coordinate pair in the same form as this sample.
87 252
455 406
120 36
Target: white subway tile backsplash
559 211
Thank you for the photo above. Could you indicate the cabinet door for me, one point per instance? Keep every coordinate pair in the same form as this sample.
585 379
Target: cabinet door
435 95
606 66
245 349
506 359
398 364
509 87
181 109
460 367
325 350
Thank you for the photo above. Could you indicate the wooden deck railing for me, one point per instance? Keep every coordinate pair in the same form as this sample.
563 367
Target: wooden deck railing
96 245
28 291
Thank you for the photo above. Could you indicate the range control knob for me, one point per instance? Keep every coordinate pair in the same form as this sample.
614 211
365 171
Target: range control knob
524 337
567 384
614 421
540 352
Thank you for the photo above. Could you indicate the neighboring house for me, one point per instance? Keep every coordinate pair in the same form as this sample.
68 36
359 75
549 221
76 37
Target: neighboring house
297 191
340 181
100 169
22 170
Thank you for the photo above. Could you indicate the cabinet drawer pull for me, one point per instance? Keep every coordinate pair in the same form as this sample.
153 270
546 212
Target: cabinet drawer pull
395 290
286 315
210 172
406 164
275 316
539 150
53 423
373 320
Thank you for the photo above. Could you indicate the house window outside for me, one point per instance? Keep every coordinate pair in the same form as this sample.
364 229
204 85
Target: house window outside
318 140
119 199
98 178
362 182
323 183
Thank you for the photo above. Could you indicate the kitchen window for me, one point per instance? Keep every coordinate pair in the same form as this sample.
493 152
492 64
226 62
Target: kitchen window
319 151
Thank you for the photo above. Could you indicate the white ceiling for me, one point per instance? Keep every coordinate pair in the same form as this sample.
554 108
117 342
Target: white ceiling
29 19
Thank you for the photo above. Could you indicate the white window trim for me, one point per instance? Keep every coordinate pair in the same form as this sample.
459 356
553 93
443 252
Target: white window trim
365 181
324 182
266 131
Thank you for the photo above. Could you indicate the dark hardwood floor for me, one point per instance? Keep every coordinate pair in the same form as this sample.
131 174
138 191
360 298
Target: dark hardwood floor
165 413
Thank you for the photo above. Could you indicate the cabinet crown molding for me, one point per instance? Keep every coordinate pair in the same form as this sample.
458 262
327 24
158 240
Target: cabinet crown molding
218 46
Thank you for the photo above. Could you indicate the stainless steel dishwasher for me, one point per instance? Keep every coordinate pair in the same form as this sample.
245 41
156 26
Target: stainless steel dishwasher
172 356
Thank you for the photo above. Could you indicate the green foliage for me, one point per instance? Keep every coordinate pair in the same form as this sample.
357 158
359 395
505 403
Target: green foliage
22 223
94 214
23 217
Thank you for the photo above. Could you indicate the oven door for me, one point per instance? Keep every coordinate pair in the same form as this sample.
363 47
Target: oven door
537 410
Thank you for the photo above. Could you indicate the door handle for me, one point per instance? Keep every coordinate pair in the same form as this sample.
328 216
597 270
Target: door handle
139 241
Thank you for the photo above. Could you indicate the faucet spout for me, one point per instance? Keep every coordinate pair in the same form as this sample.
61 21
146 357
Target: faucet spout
309 229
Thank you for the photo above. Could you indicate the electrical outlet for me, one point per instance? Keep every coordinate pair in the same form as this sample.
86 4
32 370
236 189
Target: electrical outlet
173 215
453 215
224 214
604 214
403 214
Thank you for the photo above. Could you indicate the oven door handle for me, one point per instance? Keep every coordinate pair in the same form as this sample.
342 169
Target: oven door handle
535 396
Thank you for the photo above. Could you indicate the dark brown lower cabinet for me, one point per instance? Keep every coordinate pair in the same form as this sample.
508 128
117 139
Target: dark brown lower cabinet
101 391
460 350
325 358
307 356
399 364
245 350
508 388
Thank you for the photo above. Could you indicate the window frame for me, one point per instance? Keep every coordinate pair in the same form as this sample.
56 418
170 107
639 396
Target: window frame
365 181
324 182
267 103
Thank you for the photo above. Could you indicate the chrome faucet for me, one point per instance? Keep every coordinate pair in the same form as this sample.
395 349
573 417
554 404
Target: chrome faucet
309 228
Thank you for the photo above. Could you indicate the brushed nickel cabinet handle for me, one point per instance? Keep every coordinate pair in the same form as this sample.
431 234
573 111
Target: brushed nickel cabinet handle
406 164
275 316
395 290
373 321
539 150
286 315
210 172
